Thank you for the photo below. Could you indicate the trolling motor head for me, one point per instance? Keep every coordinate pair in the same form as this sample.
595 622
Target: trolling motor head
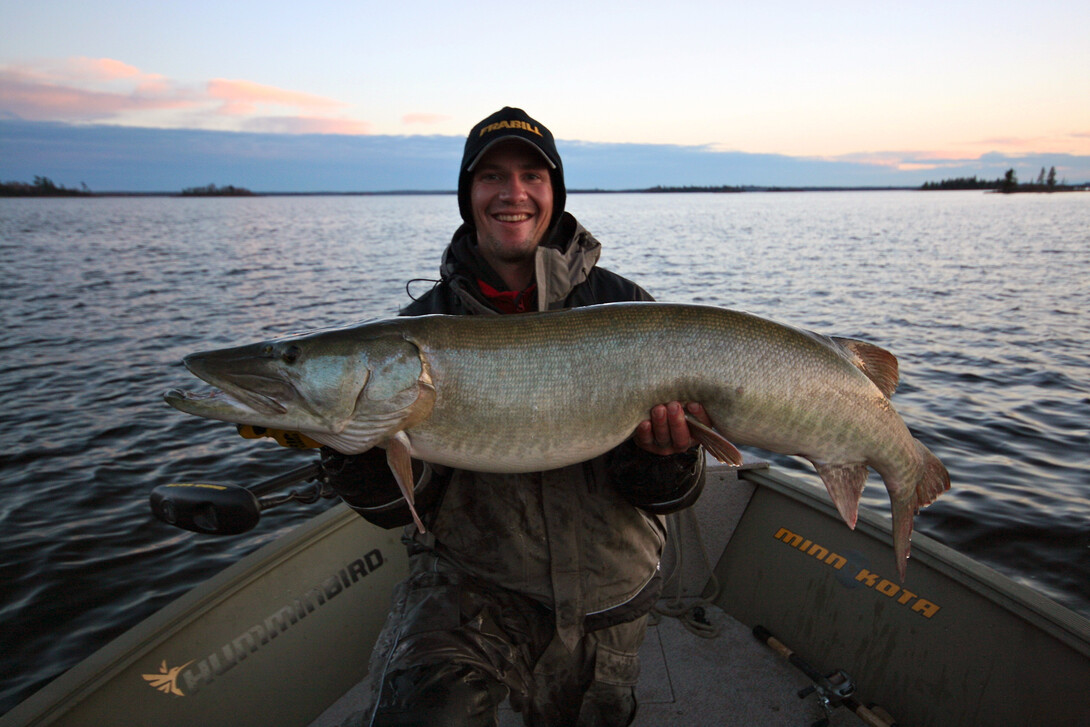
233 510
209 509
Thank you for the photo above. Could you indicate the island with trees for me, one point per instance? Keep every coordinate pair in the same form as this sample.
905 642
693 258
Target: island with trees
41 187
1007 184
212 190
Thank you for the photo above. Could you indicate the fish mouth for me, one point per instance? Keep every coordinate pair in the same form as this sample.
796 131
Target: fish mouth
237 403
235 397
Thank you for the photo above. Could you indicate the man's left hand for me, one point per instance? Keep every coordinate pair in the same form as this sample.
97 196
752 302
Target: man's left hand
666 432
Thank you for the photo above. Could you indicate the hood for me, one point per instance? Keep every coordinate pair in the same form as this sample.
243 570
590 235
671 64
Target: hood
562 262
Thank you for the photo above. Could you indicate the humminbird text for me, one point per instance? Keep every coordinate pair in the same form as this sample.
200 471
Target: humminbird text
205 671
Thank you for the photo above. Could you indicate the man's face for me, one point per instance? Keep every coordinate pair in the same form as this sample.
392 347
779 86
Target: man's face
512 200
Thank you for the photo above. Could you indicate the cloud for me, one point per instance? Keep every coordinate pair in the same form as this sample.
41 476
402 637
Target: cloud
424 118
307 125
241 98
106 90
85 89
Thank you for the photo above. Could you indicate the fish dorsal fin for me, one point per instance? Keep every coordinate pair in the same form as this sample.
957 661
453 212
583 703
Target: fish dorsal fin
714 442
877 363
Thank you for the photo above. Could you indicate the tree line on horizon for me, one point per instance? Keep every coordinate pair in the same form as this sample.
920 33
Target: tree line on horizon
1046 182
1007 184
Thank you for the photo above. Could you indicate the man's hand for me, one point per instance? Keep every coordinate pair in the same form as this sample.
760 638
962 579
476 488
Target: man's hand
666 431
294 440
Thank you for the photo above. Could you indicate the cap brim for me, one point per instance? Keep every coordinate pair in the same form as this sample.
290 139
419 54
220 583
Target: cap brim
493 142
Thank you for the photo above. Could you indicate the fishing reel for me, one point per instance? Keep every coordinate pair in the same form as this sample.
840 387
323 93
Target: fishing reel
233 510
833 690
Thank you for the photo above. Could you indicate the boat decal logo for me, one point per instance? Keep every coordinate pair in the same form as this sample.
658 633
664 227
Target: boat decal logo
166 680
186 680
858 576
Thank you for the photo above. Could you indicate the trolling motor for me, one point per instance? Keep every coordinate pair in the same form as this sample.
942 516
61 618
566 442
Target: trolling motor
833 690
230 509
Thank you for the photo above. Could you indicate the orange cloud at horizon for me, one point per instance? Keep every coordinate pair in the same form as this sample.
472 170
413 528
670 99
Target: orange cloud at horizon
424 118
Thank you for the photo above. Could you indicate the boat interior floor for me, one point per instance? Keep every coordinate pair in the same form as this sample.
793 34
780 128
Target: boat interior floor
687 679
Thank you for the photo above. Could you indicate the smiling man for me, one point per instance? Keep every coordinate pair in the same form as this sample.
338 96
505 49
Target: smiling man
536 586
512 201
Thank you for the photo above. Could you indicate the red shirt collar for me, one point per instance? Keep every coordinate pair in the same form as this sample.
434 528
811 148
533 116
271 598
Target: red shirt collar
510 301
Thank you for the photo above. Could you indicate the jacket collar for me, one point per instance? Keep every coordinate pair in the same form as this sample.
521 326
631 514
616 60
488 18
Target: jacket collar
561 263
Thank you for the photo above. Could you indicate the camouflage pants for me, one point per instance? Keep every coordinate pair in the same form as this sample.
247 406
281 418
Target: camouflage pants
453 649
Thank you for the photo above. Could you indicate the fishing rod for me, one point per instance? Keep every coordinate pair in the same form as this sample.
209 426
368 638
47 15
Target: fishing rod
834 690
230 509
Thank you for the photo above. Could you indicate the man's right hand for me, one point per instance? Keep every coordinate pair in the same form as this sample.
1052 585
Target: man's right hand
284 438
666 430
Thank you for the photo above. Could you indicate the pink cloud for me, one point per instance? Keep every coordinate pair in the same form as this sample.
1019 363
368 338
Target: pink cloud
31 94
1074 142
244 96
908 160
106 90
102 69
424 118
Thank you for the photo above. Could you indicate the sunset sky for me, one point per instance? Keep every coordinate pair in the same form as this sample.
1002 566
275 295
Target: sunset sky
899 86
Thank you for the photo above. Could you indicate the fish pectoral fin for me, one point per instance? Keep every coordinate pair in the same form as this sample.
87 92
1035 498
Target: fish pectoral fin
401 464
714 442
844 483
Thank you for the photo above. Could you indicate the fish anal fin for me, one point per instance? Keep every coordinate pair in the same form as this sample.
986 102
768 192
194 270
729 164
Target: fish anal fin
401 464
877 363
714 442
844 482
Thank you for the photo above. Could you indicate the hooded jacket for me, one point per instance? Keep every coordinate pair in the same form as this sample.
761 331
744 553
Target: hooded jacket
584 540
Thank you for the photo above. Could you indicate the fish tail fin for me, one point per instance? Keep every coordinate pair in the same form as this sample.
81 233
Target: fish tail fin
903 514
934 481
844 482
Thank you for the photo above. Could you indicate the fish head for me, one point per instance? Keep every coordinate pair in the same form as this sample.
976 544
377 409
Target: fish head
349 388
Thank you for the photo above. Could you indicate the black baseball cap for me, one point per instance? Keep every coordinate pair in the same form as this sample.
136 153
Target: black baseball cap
509 123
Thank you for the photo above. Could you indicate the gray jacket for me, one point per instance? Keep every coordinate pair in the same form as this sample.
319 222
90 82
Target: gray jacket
584 540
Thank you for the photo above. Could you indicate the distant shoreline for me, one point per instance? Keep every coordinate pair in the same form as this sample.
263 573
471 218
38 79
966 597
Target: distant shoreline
409 192
418 193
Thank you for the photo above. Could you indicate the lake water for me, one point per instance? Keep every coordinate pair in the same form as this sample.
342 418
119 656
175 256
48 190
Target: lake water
982 297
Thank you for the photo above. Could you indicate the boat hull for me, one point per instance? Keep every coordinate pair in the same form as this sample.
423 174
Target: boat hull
955 643
272 640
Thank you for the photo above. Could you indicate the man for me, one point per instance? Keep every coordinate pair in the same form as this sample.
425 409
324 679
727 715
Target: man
530 586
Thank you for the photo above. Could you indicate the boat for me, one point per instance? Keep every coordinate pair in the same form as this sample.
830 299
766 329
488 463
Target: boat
775 613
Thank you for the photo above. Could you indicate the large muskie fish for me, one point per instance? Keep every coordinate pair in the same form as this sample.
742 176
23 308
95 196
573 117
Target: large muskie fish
543 390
